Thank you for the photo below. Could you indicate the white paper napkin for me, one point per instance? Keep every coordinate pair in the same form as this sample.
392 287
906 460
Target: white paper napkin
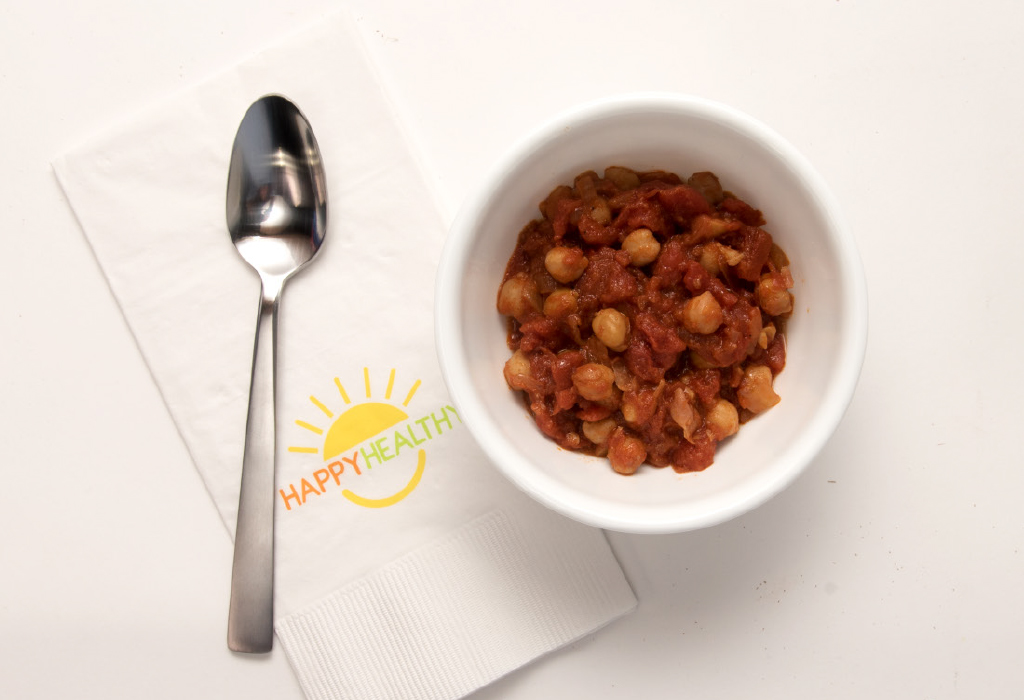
406 567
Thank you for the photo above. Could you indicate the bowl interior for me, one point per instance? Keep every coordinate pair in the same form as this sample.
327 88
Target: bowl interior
769 451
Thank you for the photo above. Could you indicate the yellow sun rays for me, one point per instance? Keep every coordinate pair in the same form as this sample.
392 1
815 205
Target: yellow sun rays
321 406
341 390
311 428
412 392
358 422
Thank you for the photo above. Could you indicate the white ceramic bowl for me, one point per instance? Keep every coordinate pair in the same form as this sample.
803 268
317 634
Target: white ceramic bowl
826 335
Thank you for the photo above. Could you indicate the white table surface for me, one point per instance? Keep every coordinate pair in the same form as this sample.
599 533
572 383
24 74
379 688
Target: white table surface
891 569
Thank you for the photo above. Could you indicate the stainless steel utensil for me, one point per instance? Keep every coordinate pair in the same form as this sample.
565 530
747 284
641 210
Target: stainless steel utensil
277 216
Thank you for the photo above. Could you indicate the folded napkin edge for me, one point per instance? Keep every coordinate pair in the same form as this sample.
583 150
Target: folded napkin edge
59 165
494 594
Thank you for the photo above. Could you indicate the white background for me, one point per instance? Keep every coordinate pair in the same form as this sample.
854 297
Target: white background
891 569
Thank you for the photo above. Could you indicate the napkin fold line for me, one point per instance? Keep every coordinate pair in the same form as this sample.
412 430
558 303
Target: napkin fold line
60 167
396 632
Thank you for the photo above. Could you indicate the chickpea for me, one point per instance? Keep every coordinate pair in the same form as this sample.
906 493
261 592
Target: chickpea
598 431
594 382
612 328
642 246
767 336
723 419
710 259
755 391
773 295
519 297
702 314
699 362
637 406
684 413
600 211
714 257
630 407
625 453
614 400
560 303
517 370
565 264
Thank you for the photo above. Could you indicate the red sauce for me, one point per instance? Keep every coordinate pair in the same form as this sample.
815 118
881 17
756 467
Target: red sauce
646 317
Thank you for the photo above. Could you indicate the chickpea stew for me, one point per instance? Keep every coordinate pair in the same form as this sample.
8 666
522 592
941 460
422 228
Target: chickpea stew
646 317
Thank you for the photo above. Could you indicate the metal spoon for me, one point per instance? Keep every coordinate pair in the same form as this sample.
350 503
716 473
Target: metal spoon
277 215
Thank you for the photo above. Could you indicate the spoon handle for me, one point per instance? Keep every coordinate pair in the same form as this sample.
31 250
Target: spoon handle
251 613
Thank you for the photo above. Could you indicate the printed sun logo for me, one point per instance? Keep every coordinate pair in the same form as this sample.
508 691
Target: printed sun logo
375 431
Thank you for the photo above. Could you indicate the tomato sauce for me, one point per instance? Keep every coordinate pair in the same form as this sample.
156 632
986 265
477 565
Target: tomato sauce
646 317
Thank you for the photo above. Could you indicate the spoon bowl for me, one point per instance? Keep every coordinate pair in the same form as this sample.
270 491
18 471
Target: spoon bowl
276 208
277 194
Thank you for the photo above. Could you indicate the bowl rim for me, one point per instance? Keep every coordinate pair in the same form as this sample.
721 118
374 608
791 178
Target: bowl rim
448 329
